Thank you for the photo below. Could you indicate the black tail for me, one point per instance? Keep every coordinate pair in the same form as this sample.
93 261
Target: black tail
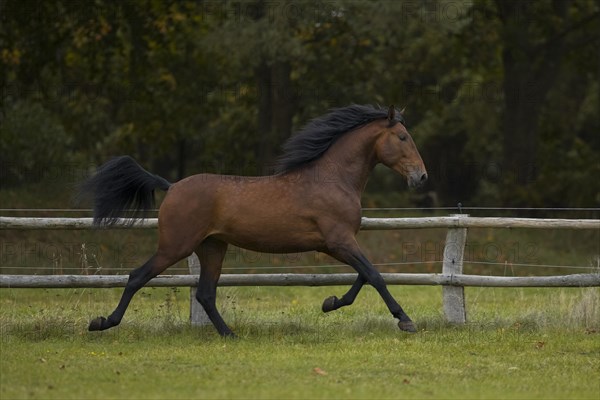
121 188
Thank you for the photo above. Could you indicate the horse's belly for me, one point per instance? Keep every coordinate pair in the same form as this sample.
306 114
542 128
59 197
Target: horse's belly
274 240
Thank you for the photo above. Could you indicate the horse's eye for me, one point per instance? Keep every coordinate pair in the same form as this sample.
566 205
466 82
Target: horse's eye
402 137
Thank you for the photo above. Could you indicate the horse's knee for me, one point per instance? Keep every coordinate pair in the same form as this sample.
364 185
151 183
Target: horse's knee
376 280
207 301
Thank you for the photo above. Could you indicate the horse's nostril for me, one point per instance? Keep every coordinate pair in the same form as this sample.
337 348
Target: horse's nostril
423 177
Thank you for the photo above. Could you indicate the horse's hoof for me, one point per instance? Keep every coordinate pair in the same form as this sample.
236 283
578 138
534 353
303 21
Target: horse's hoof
329 304
230 336
407 326
96 324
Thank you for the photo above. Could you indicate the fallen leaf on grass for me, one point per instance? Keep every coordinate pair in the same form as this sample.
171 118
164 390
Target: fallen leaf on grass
405 381
319 371
540 345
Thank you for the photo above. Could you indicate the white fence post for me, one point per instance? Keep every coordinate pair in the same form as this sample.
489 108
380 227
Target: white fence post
198 316
454 296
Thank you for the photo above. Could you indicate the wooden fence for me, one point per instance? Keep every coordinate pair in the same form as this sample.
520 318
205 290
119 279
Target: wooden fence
451 279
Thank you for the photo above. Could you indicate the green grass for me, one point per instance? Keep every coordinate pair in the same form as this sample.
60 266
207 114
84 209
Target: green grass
519 343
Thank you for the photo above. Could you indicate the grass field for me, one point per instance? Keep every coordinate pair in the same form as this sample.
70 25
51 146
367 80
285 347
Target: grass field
519 343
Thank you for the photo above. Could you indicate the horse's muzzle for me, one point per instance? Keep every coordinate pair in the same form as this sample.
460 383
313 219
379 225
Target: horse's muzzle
418 179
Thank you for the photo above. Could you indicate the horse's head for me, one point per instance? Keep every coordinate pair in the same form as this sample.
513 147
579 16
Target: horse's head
396 149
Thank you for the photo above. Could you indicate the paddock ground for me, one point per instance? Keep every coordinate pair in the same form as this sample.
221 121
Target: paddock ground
518 343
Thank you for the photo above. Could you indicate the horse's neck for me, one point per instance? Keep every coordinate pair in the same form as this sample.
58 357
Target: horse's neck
350 159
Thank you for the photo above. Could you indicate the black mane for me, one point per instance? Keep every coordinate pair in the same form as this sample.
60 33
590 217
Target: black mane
319 134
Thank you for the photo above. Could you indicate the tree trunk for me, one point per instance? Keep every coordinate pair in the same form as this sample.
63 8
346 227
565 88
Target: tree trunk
275 110
530 70
263 78
181 158
282 106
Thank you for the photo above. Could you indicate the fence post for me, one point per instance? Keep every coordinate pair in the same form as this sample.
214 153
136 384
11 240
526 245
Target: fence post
454 296
198 316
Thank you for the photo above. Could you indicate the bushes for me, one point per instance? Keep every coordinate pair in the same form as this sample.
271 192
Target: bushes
33 143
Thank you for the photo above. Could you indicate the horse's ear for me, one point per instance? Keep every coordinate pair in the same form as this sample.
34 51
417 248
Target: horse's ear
391 115
402 111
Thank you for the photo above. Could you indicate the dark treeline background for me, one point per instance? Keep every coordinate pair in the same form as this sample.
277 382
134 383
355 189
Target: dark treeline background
502 97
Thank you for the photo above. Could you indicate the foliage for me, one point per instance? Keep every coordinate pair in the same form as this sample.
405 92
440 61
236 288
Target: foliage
191 86
32 142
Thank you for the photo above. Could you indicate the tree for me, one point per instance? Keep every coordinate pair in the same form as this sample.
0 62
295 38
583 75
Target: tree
495 91
536 36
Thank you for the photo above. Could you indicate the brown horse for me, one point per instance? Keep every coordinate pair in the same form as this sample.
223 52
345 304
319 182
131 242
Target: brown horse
312 203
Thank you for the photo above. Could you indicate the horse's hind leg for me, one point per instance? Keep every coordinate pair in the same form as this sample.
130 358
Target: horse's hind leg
333 303
211 253
137 279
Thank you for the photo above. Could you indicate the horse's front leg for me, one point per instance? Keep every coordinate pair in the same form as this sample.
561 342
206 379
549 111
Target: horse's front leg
349 252
333 303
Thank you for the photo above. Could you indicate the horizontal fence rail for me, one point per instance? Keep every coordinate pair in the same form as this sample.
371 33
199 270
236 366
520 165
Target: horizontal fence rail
366 223
110 281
